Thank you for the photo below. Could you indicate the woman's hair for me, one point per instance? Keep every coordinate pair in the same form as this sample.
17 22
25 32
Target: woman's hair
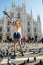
18 22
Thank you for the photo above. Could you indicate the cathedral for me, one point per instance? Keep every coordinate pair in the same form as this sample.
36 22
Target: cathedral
30 26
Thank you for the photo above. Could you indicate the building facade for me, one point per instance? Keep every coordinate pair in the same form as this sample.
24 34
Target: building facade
30 27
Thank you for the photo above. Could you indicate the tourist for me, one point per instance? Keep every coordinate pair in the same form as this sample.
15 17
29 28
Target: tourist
17 35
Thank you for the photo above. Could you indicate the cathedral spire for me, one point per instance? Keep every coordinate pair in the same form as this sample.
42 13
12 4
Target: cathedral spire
31 12
38 18
13 3
23 4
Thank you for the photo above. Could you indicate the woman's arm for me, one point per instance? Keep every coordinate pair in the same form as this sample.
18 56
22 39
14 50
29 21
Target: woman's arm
12 23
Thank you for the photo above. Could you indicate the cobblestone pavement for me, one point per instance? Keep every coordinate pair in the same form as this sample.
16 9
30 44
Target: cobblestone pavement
26 54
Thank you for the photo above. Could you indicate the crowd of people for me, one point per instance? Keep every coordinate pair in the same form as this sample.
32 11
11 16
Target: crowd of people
23 39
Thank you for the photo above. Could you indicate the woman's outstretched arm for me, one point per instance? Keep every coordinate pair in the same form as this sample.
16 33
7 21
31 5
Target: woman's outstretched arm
12 23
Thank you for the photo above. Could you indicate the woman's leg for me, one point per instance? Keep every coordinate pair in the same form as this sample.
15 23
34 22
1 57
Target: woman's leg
20 46
14 45
20 43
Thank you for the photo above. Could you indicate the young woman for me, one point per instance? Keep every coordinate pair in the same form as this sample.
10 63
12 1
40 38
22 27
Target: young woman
17 35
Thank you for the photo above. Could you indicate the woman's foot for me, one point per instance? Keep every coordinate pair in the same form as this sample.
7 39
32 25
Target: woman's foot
15 54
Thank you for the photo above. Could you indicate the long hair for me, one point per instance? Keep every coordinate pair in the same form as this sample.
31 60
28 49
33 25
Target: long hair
18 23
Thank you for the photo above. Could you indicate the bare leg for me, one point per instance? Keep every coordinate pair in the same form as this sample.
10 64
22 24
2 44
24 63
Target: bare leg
14 45
20 43
20 46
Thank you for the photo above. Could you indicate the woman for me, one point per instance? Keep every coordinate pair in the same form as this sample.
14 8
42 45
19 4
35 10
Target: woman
17 35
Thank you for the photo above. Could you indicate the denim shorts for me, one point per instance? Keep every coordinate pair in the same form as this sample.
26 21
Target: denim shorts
17 35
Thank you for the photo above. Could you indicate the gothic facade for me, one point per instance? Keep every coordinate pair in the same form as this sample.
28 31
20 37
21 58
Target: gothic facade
30 27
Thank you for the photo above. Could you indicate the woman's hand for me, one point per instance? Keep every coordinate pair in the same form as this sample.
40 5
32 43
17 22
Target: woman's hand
13 23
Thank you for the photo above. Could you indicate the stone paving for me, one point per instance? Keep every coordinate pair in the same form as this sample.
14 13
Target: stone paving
27 54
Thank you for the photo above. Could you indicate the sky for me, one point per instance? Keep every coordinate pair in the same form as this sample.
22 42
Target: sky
35 5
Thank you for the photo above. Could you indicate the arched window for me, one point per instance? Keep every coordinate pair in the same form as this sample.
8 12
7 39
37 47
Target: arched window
28 23
18 14
0 29
8 29
8 23
28 30
35 30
